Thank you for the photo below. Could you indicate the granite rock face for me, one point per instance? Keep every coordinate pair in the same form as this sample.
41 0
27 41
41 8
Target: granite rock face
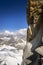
33 54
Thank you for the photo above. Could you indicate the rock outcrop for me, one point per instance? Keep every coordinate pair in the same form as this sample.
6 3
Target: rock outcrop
33 54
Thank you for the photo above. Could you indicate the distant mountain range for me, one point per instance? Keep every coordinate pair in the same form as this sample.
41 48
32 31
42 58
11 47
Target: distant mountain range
12 38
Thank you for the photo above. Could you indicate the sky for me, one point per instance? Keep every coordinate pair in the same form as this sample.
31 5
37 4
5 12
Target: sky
13 14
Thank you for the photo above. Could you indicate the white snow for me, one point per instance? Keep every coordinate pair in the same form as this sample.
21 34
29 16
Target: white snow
22 31
9 54
5 38
9 57
8 32
20 45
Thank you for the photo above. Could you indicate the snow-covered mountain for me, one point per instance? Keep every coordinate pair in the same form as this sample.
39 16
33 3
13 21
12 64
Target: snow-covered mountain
11 47
12 38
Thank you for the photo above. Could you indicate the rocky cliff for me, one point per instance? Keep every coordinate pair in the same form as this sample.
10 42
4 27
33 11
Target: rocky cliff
33 54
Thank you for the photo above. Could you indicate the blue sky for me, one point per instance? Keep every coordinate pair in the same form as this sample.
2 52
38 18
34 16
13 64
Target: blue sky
12 14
